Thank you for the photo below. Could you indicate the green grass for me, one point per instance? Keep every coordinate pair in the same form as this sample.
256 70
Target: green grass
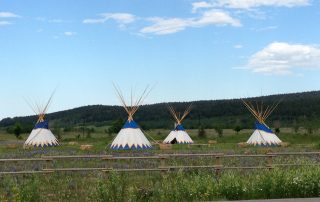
147 186
190 186
227 143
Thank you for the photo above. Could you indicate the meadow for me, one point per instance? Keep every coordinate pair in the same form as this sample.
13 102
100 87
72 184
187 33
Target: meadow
180 185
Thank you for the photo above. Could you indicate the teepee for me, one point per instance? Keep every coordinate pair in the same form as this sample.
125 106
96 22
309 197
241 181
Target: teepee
41 136
178 135
263 135
131 136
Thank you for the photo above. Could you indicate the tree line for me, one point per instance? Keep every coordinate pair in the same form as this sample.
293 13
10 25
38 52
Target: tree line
296 110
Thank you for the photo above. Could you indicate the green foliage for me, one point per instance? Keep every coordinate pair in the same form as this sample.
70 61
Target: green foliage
219 131
57 131
296 127
115 126
89 131
237 129
201 132
205 187
113 189
26 190
17 130
297 109
68 129
176 186
310 129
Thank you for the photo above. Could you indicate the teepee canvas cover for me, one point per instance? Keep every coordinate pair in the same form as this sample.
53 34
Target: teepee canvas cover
178 135
131 136
41 136
263 135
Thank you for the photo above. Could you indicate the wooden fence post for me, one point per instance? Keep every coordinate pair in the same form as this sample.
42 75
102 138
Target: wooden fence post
162 162
107 162
269 161
48 163
218 164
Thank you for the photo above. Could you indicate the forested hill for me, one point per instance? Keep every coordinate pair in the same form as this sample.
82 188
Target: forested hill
301 109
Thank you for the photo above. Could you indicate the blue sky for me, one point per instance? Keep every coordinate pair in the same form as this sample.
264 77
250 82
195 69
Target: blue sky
192 50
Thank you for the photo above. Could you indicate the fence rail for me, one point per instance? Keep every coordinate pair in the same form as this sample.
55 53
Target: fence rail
162 164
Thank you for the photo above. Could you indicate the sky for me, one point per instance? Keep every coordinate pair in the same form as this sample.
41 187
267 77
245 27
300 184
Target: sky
190 50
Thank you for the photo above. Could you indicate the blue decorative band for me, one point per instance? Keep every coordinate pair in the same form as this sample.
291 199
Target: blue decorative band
43 125
130 124
179 127
260 126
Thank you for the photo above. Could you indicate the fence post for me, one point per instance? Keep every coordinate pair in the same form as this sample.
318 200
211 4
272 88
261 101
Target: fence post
47 163
162 162
218 164
269 161
107 162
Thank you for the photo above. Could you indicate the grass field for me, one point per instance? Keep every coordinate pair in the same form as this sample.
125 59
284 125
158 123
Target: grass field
190 185
71 142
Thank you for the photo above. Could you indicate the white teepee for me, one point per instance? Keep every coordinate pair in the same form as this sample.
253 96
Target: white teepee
131 136
263 135
178 135
41 136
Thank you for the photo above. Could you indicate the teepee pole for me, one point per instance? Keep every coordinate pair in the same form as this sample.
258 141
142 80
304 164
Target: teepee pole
144 95
121 99
252 110
133 108
186 112
273 108
174 114
31 107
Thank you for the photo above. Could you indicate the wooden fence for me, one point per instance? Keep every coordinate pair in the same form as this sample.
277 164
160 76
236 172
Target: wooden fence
161 161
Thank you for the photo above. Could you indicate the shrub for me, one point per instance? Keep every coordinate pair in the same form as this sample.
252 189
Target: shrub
201 132
17 130
219 130
237 129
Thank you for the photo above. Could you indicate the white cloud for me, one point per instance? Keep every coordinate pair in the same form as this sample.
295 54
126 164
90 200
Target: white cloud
2 23
217 17
162 26
248 4
55 21
166 26
238 46
94 21
42 19
121 18
69 33
8 15
283 58
199 5
264 29
58 21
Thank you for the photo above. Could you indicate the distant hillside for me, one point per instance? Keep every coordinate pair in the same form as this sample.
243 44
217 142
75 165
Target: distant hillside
301 109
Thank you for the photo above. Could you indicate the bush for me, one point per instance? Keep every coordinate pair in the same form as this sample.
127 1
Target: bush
17 130
219 130
115 126
237 129
201 132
